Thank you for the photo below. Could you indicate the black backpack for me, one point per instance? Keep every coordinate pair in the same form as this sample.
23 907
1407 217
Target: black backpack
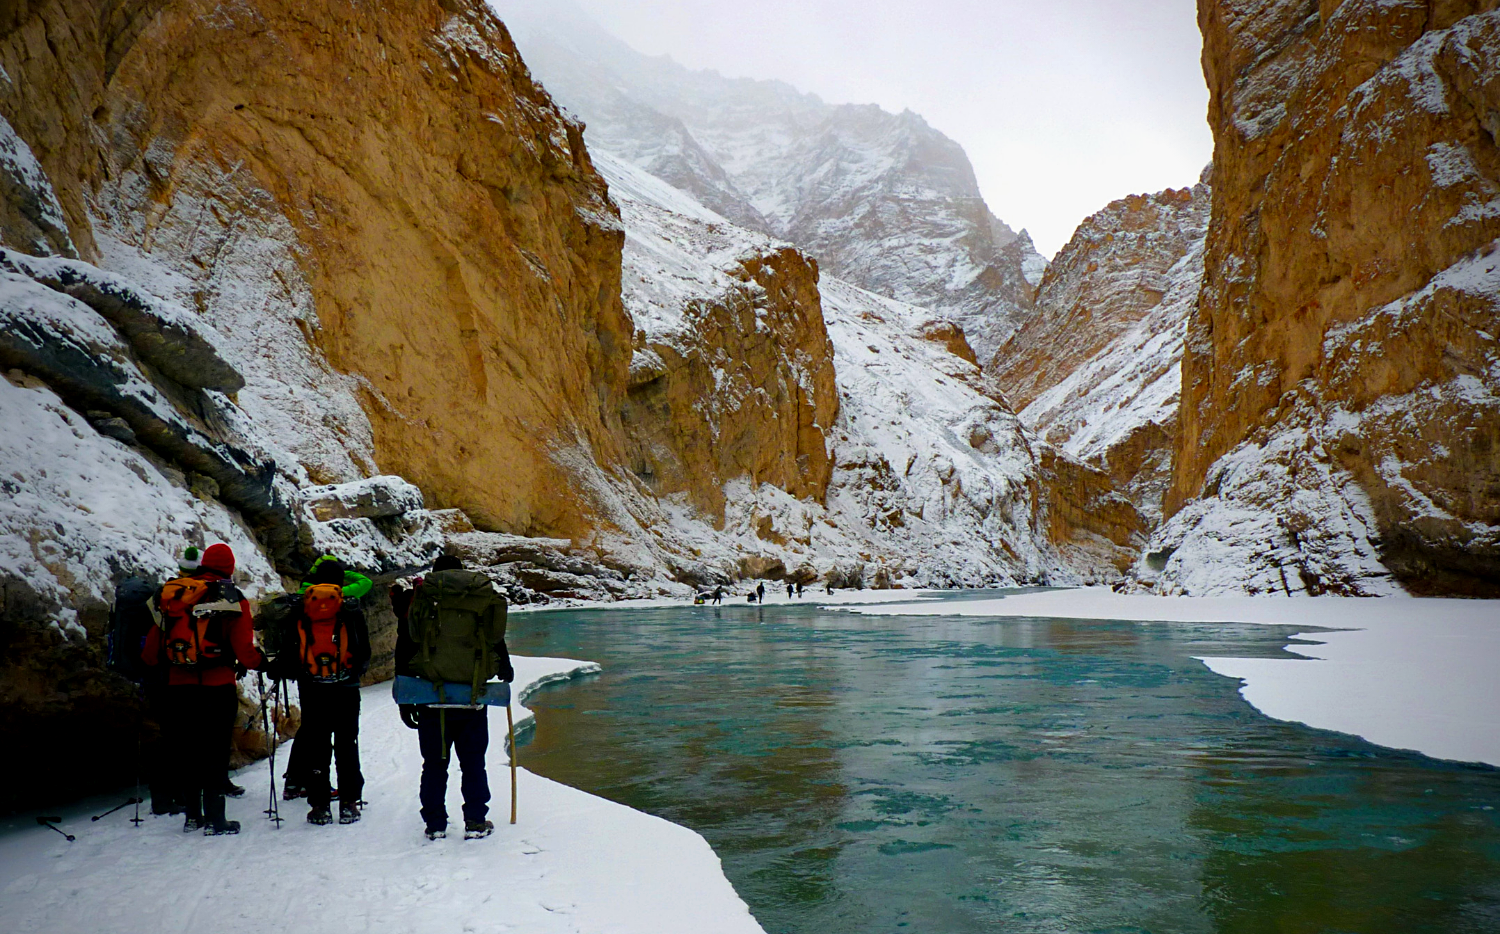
129 621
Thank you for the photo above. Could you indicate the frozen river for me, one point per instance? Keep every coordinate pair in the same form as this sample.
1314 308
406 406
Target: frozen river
954 774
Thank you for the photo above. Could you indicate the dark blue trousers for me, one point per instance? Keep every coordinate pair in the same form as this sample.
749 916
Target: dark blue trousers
466 733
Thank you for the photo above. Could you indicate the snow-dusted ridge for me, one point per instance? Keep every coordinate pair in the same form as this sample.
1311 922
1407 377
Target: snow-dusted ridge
573 862
1408 673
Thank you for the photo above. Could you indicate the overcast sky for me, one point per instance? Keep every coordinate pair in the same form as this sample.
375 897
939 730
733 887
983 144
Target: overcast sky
1063 105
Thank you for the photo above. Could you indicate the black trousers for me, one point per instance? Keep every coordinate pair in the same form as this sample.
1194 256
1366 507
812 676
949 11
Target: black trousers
329 712
466 732
156 760
199 723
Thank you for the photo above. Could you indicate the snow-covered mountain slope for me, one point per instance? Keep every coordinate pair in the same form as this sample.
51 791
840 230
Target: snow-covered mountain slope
934 479
881 200
1097 369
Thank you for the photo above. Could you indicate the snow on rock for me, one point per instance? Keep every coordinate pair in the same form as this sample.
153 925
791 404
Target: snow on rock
933 480
164 334
371 498
572 862
1345 333
879 199
82 510
29 213
1401 672
246 281
1277 516
1097 369
64 342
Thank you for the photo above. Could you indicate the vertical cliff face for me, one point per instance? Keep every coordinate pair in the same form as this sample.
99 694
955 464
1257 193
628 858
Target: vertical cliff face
395 173
1346 329
1096 370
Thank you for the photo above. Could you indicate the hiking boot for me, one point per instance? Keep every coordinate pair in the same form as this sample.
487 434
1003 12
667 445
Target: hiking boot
476 829
293 792
234 791
319 816
222 827
437 833
348 812
192 824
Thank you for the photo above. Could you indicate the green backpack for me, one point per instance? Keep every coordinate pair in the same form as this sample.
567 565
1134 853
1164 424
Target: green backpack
456 619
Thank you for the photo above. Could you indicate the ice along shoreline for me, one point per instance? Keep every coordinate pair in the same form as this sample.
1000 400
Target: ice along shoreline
573 862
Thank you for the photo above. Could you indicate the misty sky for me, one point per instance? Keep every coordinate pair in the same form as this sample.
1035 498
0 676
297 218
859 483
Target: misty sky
1063 105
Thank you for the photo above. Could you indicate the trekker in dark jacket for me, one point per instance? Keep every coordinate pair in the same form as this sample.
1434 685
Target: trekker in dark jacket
464 729
205 630
327 650
355 586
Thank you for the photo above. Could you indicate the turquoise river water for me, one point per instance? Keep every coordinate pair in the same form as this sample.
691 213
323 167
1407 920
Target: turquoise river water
945 775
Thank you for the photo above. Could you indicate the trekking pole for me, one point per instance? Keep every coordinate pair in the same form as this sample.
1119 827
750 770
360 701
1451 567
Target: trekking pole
510 726
136 820
124 804
273 810
52 822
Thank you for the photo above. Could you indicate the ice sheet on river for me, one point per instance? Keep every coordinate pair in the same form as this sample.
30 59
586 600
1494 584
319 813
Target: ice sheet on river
1407 673
574 862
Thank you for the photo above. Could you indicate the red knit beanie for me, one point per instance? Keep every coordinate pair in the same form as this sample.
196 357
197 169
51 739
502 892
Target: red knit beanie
219 559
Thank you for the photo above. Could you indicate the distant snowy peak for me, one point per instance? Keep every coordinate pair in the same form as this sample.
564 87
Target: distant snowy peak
880 199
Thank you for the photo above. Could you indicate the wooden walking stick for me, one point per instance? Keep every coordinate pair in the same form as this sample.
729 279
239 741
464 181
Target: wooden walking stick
510 726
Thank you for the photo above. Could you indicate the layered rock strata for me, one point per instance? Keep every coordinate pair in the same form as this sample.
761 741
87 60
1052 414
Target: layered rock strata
1346 329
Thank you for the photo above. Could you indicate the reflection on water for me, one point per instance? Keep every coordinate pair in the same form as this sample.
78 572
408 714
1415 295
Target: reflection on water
869 774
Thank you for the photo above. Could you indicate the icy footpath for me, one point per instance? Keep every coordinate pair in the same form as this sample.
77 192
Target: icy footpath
573 862
1403 672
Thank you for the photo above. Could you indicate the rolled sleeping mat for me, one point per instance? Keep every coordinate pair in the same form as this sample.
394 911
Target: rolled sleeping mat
408 689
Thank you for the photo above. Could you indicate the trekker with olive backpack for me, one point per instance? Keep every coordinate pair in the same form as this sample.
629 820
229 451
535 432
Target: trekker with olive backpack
203 632
452 635
325 647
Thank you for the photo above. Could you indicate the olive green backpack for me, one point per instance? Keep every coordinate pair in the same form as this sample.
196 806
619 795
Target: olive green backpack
456 618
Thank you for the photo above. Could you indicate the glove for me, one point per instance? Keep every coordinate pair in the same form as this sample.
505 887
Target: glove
507 672
409 715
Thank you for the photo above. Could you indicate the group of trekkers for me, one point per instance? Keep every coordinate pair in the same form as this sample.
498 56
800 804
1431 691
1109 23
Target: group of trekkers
188 641
755 595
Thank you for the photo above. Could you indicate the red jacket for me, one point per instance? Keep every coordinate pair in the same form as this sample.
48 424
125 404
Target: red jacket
241 632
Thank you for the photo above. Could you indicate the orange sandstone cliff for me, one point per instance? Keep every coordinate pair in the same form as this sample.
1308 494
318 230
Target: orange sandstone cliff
1340 425
434 212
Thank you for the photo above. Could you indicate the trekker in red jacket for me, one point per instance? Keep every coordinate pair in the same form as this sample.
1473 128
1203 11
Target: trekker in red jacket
204 630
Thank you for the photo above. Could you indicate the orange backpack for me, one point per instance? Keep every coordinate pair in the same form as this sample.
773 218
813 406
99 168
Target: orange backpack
322 641
192 623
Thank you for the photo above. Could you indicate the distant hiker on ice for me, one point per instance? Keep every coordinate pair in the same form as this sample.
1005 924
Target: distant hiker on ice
324 645
355 586
760 592
451 634
718 595
789 590
205 628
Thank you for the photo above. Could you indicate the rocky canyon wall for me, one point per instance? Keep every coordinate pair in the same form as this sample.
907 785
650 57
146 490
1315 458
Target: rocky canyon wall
1096 369
425 200
1346 329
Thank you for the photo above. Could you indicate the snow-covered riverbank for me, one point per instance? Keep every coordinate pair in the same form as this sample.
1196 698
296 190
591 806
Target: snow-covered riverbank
1406 673
573 862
